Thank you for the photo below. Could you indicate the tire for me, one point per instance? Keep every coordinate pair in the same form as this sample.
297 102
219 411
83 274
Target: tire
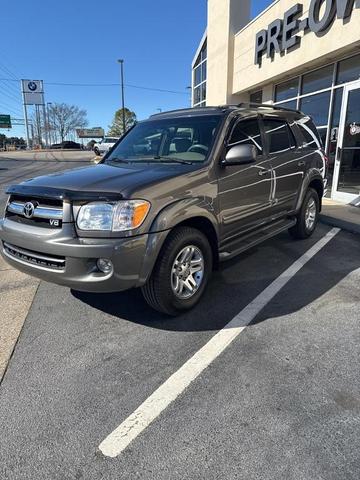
160 290
304 228
97 152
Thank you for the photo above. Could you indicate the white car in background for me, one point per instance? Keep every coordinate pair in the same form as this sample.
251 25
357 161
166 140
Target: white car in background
104 146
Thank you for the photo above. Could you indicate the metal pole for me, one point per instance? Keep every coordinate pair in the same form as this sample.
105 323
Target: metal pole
25 117
32 133
46 127
122 94
48 120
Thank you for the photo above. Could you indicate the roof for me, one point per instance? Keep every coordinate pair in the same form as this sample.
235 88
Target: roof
223 110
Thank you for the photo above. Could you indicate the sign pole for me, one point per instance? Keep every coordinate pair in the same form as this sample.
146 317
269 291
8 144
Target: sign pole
25 117
46 127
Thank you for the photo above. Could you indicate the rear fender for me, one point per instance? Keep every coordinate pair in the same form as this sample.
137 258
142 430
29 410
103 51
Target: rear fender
311 175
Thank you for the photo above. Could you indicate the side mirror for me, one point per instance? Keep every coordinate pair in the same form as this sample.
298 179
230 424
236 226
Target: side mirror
240 155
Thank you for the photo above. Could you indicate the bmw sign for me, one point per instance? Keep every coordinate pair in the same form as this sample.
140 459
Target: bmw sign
32 86
33 92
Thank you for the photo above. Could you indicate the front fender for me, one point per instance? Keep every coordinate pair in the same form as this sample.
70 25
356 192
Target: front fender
182 210
168 218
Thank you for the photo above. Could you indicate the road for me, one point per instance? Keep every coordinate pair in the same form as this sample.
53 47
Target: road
282 401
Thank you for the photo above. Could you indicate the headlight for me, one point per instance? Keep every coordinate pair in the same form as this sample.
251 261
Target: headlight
116 217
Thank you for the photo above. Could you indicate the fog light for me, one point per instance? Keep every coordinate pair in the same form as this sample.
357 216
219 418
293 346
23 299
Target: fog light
104 265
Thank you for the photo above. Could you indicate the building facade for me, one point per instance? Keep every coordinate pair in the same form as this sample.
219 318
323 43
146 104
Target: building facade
303 55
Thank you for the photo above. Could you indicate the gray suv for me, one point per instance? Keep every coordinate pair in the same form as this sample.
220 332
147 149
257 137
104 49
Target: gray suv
178 194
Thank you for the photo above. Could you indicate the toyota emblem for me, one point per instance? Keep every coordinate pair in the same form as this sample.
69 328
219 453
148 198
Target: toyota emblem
29 209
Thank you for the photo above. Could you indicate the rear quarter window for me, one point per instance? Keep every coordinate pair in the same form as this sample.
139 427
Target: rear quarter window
309 133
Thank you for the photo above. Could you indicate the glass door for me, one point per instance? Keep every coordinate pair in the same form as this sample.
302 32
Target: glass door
346 181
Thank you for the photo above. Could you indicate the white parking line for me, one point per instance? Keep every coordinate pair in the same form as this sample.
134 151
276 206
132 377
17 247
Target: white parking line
151 408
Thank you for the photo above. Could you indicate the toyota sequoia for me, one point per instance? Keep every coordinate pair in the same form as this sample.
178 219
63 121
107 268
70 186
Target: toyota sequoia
179 193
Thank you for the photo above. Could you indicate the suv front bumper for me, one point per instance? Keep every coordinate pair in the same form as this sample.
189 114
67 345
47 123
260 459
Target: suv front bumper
65 259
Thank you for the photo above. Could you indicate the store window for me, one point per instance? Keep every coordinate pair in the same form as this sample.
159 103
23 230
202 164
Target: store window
317 106
199 78
323 106
348 70
318 79
286 90
256 97
292 104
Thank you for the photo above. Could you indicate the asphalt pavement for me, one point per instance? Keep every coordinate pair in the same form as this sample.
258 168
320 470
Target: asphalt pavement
282 401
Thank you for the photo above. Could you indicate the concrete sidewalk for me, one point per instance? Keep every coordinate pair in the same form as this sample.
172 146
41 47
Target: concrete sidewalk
340 215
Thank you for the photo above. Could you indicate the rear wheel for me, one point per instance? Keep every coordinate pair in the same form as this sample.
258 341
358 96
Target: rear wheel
181 272
308 216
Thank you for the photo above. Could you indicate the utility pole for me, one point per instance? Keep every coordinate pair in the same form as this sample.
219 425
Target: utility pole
122 94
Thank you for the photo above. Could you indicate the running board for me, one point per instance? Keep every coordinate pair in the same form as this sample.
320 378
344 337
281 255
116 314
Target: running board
255 238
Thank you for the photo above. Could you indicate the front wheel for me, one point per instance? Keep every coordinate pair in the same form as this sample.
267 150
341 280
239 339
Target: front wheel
181 272
308 216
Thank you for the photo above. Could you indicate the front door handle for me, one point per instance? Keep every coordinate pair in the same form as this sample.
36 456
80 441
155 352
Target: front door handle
301 163
264 172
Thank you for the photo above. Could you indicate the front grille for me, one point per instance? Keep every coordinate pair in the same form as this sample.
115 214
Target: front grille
29 257
47 213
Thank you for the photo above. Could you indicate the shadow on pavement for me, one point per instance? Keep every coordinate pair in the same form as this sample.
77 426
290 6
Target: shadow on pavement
235 285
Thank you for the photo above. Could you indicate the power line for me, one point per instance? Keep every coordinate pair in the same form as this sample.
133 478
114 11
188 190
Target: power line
7 71
4 90
10 108
103 85
10 87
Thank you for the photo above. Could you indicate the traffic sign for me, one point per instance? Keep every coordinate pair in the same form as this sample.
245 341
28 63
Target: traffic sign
5 121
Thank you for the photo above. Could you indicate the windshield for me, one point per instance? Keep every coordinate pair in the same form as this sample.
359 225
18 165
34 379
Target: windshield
188 140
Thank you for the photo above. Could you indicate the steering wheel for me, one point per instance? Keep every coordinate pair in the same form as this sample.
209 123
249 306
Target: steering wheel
198 148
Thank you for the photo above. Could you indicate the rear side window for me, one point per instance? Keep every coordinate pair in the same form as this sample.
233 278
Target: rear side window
309 133
278 135
247 132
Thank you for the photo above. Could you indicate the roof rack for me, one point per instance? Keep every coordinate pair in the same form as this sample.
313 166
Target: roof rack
267 105
190 109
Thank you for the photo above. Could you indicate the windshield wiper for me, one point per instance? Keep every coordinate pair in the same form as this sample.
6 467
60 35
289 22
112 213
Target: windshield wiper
116 160
173 159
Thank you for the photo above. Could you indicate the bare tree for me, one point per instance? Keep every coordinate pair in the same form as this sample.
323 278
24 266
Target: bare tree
63 119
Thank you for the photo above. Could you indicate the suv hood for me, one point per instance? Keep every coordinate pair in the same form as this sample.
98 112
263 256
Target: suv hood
99 181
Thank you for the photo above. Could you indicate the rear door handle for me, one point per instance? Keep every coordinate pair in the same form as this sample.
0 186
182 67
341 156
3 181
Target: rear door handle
301 163
264 172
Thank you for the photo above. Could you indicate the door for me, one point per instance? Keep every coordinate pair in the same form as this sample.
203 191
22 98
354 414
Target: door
244 190
288 166
346 181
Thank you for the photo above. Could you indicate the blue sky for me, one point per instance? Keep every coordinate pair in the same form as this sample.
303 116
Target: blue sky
79 41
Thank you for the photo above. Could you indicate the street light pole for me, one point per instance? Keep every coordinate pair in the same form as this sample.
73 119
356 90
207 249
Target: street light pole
122 93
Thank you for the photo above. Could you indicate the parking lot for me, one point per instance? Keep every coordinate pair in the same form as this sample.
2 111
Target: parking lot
281 401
